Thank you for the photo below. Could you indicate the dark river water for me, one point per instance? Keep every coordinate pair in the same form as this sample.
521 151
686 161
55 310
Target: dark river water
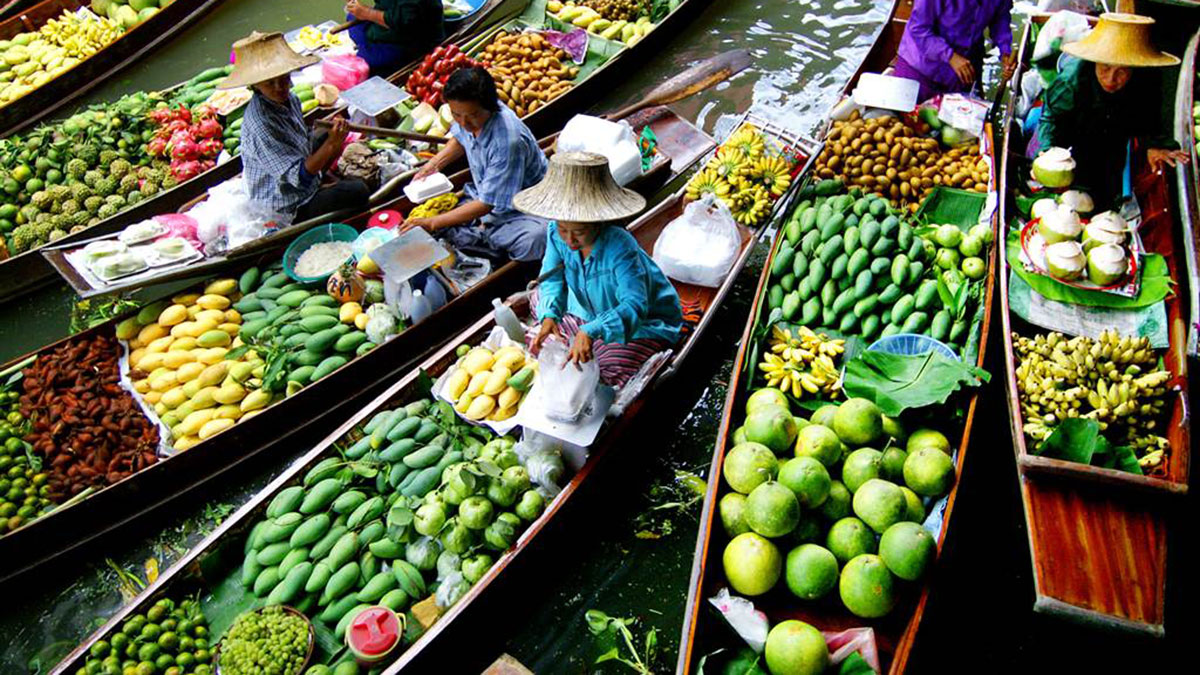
626 545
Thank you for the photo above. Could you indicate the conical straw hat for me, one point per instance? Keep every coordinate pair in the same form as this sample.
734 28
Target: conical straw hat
579 188
1120 40
262 56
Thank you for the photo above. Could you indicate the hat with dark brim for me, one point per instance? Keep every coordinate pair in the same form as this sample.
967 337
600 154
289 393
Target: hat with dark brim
1121 40
261 57
579 188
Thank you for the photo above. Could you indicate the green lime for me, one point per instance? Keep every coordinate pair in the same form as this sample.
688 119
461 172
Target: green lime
168 641
164 661
184 659
100 649
34 184
148 652
151 631
156 613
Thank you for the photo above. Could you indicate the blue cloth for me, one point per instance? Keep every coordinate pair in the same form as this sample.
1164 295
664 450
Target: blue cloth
504 159
618 290
275 144
384 58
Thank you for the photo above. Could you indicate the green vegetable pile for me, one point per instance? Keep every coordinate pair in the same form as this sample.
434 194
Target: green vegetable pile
23 486
272 640
166 639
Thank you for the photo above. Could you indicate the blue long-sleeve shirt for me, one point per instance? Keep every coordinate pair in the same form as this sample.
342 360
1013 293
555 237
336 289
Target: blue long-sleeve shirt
618 290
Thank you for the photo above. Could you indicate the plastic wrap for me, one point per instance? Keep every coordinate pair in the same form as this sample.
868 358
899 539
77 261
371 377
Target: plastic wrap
614 140
574 385
542 456
700 246
344 71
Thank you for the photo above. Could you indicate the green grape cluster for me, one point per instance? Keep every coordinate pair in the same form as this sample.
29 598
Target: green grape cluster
270 642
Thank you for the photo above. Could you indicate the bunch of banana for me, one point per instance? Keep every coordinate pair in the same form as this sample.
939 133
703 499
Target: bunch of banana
80 36
1113 380
707 181
800 361
30 60
773 173
731 164
750 205
749 140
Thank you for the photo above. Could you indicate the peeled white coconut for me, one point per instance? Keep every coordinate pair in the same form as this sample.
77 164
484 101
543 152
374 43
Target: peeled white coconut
1043 206
1066 260
1054 168
1061 224
1106 264
1105 228
1080 202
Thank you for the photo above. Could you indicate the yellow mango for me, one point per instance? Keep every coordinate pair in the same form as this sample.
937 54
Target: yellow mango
509 398
214 338
478 380
173 398
137 354
481 407
171 419
213 301
150 361
162 344
183 329
164 381
214 373
229 411
230 392
184 410
202 326
211 356
191 388
204 398
210 314
173 315
151 332
128 329
192 423
497 380
181 344
360 321
158 371
477 360
240 371
233 316
185 442
185 299
260 369
194 310
189 371
214 427
512 358
229 328
159 408
463 402
142 386
256 400
349 311
252 413
457 384
221 287
176 359
501 414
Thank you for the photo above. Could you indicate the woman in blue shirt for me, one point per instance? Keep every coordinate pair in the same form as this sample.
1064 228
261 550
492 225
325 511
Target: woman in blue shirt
601 291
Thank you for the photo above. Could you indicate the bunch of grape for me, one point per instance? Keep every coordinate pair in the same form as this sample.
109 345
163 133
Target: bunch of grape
269 641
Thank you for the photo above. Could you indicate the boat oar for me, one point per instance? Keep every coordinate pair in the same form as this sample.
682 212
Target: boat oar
390 133
695 79
344 26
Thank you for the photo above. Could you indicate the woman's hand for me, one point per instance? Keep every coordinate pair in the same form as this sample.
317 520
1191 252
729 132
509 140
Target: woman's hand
963 68
430 224
358 10
1158 158
581 349
1008 65
338 131
426 170
549 327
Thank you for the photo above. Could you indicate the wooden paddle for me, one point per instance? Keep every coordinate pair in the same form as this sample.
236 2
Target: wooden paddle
693 80
391 133
345 26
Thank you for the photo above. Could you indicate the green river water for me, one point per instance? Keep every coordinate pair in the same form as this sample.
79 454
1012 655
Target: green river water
626 544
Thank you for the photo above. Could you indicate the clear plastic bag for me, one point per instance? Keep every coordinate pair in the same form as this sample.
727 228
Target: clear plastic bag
614 140
570 387
700 246
542 457
344 71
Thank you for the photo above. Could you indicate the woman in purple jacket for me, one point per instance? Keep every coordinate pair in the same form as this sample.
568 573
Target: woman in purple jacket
943 46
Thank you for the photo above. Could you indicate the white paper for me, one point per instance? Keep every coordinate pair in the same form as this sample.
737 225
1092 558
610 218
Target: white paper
887 91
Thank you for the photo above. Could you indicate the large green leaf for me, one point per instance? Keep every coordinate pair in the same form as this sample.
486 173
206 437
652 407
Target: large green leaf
897 382
1079 440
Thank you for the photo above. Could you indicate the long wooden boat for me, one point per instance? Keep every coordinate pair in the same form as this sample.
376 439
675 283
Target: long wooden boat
136 43
67 528
1098 537
894 634
185 575
32 271
24 273
1187 179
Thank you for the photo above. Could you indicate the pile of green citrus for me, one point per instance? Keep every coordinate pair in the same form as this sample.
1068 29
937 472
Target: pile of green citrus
271 640
167 639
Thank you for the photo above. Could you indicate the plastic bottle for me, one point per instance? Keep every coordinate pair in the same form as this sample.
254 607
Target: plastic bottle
420 307
507 319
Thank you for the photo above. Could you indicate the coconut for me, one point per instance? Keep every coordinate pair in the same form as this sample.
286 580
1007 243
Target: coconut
1043 206
1054 168
1106 264
1105 228
1066 260
1080 202
1061 224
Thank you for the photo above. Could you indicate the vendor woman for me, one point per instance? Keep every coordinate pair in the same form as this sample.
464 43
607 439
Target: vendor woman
601 292
394 32
285 165
504 158
942 47
1103 98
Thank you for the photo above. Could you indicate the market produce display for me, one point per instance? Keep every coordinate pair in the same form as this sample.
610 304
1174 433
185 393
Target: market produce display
853 265
831 504
1115 381
427 81
747 173
168 639
529 71
272 640
801 362
888 157
1077 248
30 60
24 487
490 385
626 21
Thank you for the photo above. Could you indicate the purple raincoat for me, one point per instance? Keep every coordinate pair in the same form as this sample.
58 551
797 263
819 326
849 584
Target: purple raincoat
939 28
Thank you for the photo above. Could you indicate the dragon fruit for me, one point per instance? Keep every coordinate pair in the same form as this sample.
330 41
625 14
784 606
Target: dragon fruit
208 127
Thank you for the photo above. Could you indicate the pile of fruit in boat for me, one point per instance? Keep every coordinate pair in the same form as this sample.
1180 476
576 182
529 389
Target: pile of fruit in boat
748 173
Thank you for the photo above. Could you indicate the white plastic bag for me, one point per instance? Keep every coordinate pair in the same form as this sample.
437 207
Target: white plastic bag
542 457
573 386
1059 29
614 140
700 246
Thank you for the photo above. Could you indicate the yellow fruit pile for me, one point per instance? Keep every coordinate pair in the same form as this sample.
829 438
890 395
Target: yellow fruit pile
802 361
744 175
29 60
436 206
593 21
491 385
177 364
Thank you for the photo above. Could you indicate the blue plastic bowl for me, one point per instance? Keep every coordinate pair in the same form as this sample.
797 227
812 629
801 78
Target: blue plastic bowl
317 235
911 344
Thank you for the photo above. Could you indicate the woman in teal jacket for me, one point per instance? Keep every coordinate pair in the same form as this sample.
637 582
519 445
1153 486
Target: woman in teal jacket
600 291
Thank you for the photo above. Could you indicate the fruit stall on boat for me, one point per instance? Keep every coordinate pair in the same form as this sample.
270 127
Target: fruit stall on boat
423 499
1187 133
256 293
1096 377
830 490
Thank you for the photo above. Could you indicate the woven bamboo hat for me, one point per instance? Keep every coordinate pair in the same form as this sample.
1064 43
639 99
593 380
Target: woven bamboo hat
262 56
1121 40
579 188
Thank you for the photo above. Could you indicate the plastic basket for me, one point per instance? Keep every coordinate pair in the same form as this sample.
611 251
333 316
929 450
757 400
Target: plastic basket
911 344
317 235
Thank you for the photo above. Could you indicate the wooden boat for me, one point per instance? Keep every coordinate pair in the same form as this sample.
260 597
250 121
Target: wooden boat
184 575
10 7
67 528
28 271
1098 537
134 44
1187 178
896 633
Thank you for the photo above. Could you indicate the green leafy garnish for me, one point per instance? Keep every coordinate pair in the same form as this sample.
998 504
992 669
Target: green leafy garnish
1079 440
897 382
